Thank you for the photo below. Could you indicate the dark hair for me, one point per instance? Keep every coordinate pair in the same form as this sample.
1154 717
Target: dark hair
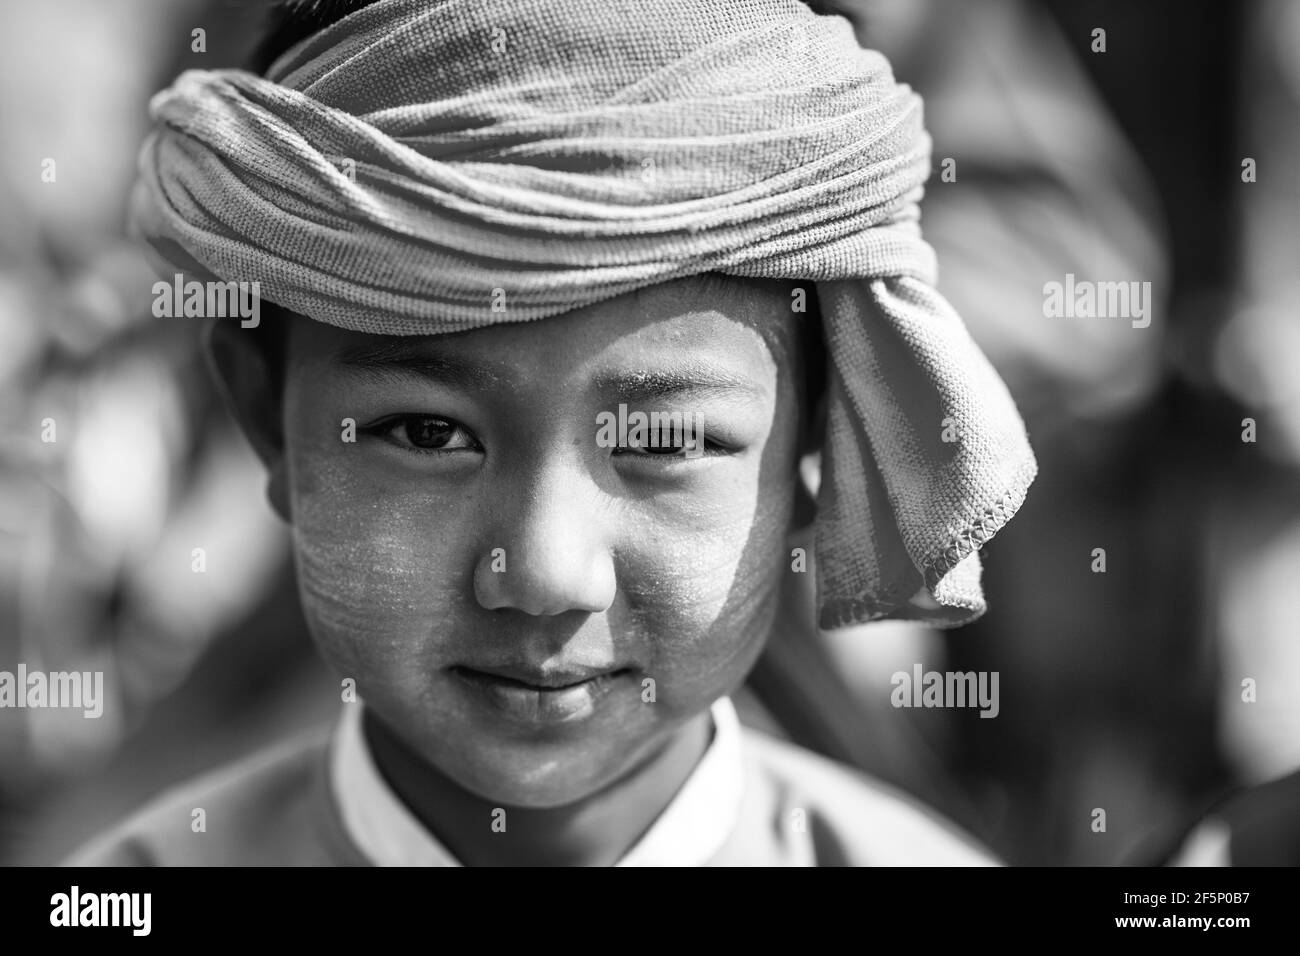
289 21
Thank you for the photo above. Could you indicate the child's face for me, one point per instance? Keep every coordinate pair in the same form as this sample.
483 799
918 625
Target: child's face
524 674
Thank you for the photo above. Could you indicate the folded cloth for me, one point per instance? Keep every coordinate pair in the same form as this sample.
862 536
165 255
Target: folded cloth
417 164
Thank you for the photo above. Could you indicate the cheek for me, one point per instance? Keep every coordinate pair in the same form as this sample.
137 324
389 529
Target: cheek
708 593
377 580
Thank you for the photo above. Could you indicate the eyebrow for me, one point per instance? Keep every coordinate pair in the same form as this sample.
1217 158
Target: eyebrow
696 379
399 355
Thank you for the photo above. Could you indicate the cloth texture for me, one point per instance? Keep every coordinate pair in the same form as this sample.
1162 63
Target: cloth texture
279 807
424 167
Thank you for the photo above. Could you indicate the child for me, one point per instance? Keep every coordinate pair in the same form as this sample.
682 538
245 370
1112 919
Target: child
499 236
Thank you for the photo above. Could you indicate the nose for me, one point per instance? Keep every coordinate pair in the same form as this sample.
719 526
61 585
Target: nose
554 554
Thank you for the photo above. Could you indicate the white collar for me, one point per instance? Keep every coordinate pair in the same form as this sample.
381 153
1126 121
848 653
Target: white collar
690 830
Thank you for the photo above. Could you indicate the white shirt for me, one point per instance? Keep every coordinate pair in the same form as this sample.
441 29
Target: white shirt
686 833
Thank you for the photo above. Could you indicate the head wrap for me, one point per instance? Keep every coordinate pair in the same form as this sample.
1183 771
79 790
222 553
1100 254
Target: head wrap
393 170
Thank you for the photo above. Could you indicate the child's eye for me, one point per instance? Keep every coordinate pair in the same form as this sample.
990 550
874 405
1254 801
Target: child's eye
424 433
653 450
666 445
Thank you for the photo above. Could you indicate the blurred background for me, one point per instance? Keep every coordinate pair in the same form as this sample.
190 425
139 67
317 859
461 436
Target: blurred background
1120 690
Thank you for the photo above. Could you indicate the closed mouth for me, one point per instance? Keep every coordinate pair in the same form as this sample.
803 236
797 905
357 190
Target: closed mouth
536 698
535 680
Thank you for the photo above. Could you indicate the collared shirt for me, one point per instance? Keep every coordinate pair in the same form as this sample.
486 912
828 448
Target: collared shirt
319 800
690 830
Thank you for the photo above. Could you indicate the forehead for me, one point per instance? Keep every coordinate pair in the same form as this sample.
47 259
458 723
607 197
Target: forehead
744 323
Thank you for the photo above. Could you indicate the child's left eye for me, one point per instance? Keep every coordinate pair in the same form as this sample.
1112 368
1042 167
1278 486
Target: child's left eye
424 433
662 446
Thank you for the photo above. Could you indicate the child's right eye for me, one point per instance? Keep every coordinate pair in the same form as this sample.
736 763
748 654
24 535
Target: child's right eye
424 433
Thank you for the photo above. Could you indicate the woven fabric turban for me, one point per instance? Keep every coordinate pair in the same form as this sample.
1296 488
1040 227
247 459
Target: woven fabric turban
393 170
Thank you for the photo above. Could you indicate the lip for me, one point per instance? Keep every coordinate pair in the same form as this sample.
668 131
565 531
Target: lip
544 678
540 696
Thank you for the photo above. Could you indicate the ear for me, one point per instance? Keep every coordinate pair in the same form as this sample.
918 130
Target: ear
240 365
805 507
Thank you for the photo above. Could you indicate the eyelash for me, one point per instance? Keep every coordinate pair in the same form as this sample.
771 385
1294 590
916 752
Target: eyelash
711 449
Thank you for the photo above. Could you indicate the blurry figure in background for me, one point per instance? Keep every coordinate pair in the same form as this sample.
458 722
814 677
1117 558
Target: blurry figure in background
1256 535
1251 826
1253 539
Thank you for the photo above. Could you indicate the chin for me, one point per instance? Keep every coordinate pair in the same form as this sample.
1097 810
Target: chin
555 783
